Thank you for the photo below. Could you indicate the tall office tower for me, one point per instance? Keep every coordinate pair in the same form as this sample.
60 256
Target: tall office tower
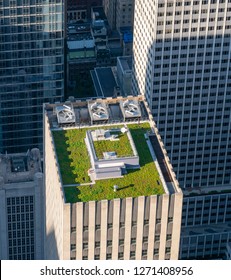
21 206
182 64
120 13
31 68
110 189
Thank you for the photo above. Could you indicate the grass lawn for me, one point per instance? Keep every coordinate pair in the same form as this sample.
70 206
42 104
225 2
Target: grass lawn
72 155
74 164
122 146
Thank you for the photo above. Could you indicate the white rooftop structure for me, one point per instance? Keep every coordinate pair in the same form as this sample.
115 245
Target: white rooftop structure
110 166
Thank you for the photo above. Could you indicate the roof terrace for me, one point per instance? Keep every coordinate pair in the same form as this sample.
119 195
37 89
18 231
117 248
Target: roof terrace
75 162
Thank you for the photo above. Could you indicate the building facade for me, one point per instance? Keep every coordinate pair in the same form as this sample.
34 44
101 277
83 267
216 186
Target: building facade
31 69
124 74
182 65
21 206
206 226
120 13
141 227
80 10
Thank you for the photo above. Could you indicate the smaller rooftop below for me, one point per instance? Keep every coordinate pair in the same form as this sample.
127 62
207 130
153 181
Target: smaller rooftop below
128 37
98 13
80 41
75 28
15 168
104 81
125 63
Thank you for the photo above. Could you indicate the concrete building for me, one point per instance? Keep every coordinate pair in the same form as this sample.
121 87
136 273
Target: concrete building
31 69
21 206
124 74
120 13
182 65
113 81
110 11
124 13
114 218
80 10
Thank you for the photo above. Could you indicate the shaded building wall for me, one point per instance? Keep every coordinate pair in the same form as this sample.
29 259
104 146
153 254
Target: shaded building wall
22 220
57 223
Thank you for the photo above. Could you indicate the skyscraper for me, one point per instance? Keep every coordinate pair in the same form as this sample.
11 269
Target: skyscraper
31 68
127 203
182 64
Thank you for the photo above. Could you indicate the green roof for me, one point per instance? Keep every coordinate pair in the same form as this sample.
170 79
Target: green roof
74 164
81 54
122 147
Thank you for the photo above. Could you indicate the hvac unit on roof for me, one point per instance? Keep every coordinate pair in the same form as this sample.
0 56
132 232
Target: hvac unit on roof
65 114
98 110
130 108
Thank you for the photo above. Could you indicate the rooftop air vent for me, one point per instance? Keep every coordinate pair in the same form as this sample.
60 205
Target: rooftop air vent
98 111
65 114
130 109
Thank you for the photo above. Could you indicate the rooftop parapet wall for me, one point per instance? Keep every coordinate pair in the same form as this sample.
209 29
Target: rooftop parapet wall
162 147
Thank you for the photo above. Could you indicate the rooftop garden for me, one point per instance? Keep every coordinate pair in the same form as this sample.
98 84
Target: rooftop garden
121 147
74 164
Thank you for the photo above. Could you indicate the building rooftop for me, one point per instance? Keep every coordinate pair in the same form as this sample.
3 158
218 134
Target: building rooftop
16 168
75 28
98 13
81 54
104 81
126 63
94 156
80 41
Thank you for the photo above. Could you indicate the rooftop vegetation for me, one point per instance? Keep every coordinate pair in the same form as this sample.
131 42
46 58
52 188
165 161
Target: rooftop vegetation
74 164
121 147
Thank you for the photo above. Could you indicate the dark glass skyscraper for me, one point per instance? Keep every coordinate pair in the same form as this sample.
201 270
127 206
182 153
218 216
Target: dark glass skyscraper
31 68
